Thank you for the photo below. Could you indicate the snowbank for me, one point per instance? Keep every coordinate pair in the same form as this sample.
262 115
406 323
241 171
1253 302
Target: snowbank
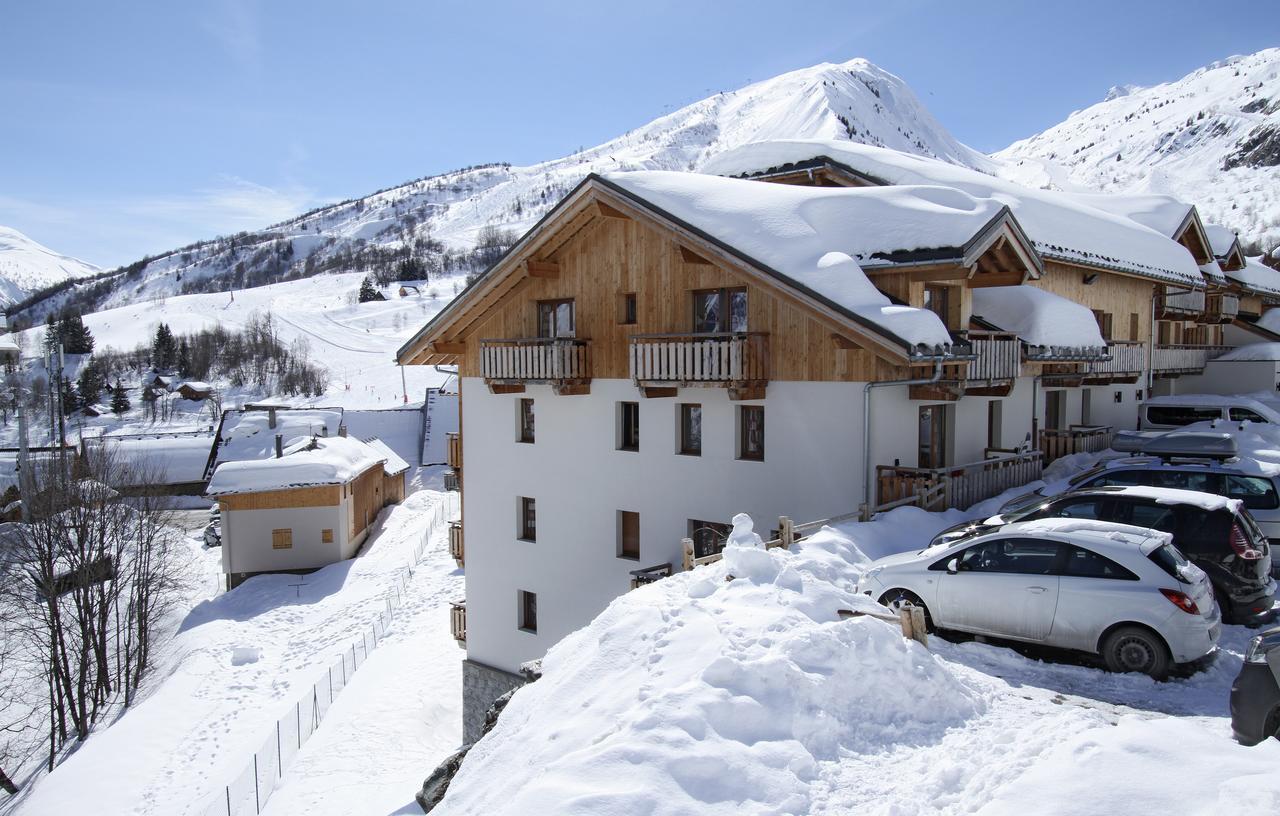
1038 317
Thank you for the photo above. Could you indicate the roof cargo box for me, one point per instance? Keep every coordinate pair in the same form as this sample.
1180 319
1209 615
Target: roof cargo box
1177 445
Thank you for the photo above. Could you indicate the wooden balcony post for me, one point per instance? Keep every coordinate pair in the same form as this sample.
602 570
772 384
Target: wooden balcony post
786 531
686 547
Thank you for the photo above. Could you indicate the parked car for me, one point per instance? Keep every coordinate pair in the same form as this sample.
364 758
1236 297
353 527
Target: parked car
1217 534
1169 413
213 533
1255 693
1260 492
1123 592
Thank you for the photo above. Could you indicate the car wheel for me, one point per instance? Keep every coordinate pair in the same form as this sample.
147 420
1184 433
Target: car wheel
895 599
1134 649
1272 726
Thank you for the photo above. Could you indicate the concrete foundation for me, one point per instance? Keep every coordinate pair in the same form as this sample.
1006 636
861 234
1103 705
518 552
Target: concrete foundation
481 685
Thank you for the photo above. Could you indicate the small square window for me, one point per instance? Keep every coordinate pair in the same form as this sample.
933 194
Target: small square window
690 429
524 407
627 309
629 426
629 535
282 539
751 432
528 616
528 519
326 536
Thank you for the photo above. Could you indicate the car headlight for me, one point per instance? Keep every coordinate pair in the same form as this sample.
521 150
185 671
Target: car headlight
1255 653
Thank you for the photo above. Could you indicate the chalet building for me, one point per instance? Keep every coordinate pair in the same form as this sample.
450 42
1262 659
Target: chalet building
308 507
195 390
664 350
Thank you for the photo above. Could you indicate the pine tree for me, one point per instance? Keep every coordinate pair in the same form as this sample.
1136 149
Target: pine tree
368 292
92 380
70 401
119 399
52 334
76 338
184 358
164 350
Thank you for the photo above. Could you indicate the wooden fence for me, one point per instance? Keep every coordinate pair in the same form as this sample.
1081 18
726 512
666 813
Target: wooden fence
958 486
1055 443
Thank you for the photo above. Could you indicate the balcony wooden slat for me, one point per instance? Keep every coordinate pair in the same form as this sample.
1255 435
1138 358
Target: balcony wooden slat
710 359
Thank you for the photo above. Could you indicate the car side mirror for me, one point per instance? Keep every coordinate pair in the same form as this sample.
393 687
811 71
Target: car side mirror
952 566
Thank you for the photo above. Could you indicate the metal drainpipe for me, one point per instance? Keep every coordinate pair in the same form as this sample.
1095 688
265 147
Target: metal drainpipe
866 423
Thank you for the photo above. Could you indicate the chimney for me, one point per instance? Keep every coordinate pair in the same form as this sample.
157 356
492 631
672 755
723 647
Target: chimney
271 417
342 430
279 446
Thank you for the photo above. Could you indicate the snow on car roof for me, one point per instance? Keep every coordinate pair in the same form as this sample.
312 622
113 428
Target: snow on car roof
1172 495
1058 225
1213 400
1037 316
820 236
320 460
1099 532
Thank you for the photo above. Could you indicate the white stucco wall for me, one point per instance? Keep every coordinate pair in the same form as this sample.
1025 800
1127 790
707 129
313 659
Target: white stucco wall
1232 377
246 538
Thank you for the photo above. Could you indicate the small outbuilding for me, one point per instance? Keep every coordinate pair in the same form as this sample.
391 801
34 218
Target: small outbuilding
195 390
305 508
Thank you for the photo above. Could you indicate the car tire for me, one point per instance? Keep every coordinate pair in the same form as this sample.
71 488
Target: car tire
896 598
1271 726
1134 649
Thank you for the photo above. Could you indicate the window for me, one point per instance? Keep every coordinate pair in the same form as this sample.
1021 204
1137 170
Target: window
528 615
629 426
1020 556
326 536
1200 480
627 309
1082 563
1242 414
720 311
1256 492
555 318
937 299
1122 478
629 535
528 522
1154 517
1083 509
525 420
708 536
751 432
282 539
690 429
1055 410
995 412
932 433
1104 323
1180 414
1133 326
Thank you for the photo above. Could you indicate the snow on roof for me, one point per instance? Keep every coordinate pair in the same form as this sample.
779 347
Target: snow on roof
1038 317
247 435
1170 495
1257 277
1059 225
7 343
1102 532
1162 213
818 237
1213 273
1251 352
393 464
319 460
175 460
196 385
1221 239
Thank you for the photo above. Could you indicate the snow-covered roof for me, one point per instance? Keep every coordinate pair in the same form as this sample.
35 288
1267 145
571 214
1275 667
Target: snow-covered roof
1251 352
1164 214
1221 239
196 385
321 460
176 460
248 435
1096 531
819 237
393 463
1256 276
1060 226
1038 317
1170 495
8 344
1213 273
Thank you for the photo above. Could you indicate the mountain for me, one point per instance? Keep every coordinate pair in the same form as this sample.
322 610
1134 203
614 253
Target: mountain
460 221
1211 138
26 266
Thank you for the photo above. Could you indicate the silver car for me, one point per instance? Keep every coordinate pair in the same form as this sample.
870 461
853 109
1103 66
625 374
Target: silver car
1122 592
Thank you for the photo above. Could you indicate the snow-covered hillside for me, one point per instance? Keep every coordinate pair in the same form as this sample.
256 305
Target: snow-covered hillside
1211 138
438 221
26 266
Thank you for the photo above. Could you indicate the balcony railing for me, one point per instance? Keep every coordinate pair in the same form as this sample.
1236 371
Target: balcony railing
1181 359
1176 304
1220 307
1064 354
1128 359
640 577
452 480
539 359
999 356
458 622
1056 443
455 544
959 486
700 359
453 452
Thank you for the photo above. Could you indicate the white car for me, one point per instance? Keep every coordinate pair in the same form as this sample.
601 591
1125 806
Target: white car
1122 592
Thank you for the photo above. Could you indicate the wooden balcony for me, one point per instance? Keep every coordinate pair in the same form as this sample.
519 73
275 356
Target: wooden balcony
738 362
647 575
563 362
1170 360
998 363
1055 443
458 622
1128 361
959 486
452 481
1180 304
455 544
453 450
1219 308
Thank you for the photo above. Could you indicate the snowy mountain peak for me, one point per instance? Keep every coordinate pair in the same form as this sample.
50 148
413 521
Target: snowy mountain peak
1211 138
26 266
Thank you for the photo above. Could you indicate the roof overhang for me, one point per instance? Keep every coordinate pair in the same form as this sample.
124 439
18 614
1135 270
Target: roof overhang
1191 234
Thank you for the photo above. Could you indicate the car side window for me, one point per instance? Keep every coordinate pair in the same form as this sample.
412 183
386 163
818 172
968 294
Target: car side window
1200 480
1122 478
1155 516
1082 509
1019 556
1241 414
1256 492
1082 563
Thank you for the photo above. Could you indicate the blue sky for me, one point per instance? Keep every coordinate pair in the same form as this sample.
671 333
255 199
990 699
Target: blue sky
136 127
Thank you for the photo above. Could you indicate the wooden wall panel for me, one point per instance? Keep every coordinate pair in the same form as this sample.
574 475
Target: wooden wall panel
1119 295
322 496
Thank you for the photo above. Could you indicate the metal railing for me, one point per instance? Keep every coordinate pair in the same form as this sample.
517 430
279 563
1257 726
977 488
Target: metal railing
999 355
700 358
647 575
537 359
1056 443
1183 358
958 486
458 622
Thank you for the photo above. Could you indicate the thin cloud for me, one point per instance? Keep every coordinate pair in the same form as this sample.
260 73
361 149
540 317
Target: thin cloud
235 205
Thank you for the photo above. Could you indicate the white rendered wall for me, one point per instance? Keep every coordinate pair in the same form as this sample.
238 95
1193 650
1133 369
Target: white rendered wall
1231 377
246 538
812 469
